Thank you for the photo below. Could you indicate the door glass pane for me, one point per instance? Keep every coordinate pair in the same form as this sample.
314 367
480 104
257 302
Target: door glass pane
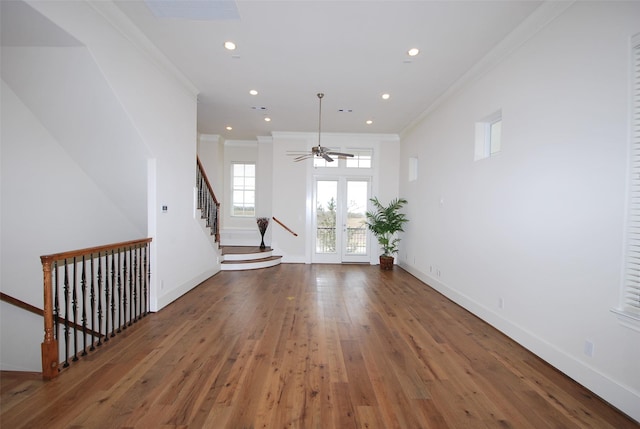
327 195
356 238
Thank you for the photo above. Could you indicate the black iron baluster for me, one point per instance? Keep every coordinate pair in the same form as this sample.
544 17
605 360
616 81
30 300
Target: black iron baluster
136 278
92 300
100 292
120 291
143 273
74 305
107 295
123 302
147 279
131 280
83 288
66 314
113 293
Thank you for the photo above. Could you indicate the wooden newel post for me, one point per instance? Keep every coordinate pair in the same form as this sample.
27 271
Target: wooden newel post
50 344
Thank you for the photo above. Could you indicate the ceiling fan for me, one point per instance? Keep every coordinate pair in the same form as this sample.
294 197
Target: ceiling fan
321 151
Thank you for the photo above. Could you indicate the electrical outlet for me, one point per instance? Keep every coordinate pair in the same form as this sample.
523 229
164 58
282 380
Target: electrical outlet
500 303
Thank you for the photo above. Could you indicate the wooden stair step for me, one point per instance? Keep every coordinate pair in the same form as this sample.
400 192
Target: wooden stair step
249 261
247 258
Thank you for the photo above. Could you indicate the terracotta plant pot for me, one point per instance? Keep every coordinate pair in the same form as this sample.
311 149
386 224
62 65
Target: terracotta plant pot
386 262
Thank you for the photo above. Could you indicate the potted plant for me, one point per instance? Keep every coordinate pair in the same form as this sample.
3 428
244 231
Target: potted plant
385 222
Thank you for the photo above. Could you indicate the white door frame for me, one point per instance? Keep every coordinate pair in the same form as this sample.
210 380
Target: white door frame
340 255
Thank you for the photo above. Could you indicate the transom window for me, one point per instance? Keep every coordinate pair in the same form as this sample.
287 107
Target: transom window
361 158
321 162
243 183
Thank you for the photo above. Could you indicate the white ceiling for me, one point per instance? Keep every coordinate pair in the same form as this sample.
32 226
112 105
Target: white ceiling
352 51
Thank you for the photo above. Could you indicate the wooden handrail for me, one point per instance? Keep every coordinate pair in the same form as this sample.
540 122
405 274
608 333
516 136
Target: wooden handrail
208 202
20 304
284 226
90 250
38 311
206 180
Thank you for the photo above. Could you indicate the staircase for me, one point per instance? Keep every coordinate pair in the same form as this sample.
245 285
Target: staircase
247 258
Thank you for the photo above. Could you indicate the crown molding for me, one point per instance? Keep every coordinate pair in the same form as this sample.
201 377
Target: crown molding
314 134
209 138
534 23
241 143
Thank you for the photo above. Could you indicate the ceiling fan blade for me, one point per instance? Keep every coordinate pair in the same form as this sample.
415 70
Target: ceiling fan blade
302 157
327 157
340 154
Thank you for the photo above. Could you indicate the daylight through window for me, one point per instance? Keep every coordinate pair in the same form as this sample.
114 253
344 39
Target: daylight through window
243 189
488 136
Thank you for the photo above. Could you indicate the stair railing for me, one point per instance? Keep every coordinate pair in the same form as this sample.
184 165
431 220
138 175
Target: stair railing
284 226
35 310
207 202
90 295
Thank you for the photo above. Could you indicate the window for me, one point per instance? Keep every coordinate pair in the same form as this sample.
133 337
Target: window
321 162
361 158
631 286
413 168
488 136
243 183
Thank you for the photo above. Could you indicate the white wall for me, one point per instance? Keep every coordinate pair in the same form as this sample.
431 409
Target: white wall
292 184
161 107
540 225
289 197
211 154
49 205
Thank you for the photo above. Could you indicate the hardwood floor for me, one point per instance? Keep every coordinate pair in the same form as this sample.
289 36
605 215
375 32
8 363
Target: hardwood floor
308 346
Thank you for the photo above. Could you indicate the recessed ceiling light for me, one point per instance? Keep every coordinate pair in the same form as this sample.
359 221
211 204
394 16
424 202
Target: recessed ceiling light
253 92
229 128
369 122
267 119
385 96
413 52
229 45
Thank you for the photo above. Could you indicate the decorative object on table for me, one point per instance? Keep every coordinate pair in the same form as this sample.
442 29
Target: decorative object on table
385 222
263 223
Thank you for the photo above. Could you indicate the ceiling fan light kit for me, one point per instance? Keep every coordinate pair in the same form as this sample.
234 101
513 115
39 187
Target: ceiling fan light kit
319 150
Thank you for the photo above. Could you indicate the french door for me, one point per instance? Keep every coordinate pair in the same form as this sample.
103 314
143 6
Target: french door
340 233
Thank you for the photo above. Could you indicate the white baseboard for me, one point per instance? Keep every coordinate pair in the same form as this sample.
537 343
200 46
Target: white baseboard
176 293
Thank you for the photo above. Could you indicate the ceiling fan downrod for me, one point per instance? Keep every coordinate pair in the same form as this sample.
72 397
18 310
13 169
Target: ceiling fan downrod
320 95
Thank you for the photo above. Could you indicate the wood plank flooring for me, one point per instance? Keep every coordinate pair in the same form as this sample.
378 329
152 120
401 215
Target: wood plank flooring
308 346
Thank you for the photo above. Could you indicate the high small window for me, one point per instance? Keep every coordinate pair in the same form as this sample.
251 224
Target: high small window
488 136
413 168
361 158
243 183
